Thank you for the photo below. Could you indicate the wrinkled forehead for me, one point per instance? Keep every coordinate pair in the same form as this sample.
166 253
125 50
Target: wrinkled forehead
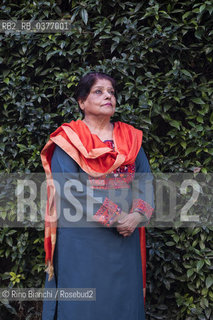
104 83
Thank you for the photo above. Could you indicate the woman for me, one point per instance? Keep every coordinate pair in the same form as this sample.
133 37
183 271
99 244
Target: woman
94 207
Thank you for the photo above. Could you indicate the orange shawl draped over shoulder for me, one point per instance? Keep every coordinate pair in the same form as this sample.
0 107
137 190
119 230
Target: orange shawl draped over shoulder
92 155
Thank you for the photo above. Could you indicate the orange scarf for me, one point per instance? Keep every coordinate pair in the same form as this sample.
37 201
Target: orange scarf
94 158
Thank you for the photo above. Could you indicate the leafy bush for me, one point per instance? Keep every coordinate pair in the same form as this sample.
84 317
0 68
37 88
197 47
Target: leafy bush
160 53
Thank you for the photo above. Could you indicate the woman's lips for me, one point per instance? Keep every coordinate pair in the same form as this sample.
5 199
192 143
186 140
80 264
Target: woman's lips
108 104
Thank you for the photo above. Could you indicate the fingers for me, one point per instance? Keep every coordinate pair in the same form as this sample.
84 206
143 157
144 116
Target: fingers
125 234
122 227
125 231
123 220
126 225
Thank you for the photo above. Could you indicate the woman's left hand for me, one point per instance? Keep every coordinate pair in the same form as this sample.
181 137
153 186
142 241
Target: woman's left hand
126 226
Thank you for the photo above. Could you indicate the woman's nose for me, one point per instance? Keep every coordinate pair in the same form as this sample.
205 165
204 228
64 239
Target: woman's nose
107 94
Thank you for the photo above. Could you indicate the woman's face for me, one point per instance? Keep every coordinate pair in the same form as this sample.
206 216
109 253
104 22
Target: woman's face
101 99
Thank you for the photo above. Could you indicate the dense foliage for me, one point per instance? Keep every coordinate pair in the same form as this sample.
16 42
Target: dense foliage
160 53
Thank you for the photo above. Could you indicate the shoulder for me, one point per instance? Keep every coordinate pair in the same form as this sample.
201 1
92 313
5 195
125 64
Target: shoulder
128 130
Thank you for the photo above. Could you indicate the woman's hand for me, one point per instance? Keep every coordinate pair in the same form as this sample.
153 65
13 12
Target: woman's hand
126 225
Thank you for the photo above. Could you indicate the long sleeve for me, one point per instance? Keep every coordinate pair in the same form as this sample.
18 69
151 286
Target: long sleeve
142 187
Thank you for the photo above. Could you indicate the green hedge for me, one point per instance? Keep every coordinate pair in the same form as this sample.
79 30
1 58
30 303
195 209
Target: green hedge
160 53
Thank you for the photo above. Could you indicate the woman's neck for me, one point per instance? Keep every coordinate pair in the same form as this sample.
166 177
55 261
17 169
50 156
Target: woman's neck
103 128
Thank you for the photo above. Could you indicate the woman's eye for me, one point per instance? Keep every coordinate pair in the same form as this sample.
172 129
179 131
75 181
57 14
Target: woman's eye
98 91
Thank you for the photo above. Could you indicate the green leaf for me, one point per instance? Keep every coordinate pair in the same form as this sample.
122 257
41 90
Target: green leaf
170 243
200 119
190 273
200 265
183 144
209 281
6 80
187 73
210 151
24 48
175 124
3 215
196 231
198 101
11 232
7 252
176 238
84 15
113 46
190 150
186 15
202 8
2 146
58 10
204 303
69 85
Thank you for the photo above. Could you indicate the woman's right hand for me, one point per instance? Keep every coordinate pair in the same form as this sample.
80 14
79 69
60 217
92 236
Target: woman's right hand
128 223
120 217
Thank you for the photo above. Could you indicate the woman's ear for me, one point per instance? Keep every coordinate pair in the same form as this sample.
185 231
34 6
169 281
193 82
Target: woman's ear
81 104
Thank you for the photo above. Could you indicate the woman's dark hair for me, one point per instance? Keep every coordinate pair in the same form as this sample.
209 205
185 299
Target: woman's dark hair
86 82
